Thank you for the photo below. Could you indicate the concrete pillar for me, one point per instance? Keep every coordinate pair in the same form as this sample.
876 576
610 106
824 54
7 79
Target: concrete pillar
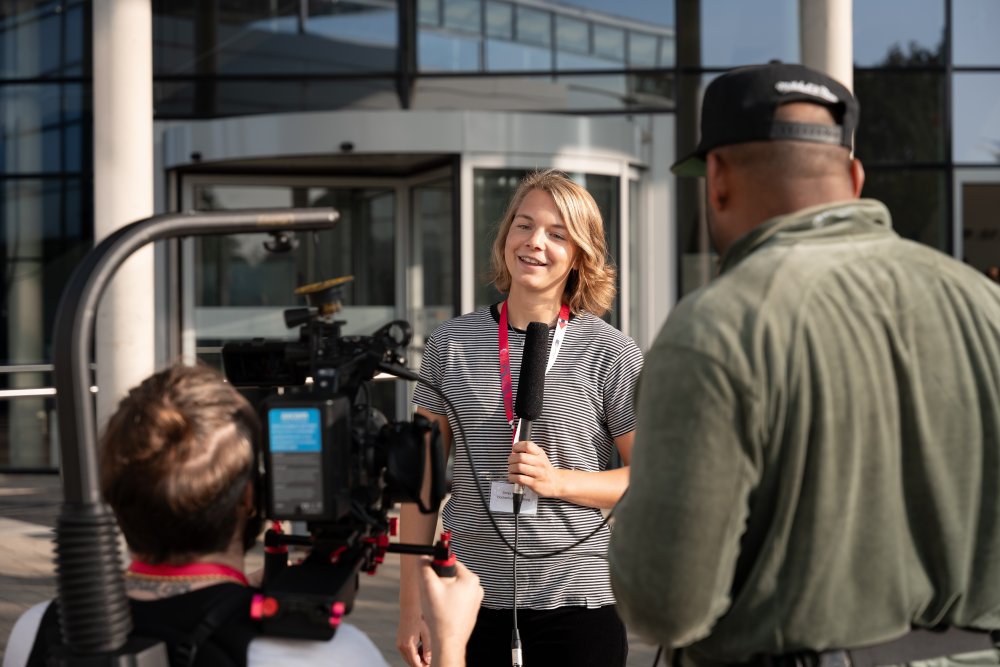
123 191
827 38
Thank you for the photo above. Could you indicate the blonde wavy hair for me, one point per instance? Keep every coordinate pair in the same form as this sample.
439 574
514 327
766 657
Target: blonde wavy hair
591 284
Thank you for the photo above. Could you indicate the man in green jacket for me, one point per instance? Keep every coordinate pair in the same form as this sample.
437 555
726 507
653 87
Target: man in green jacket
816 472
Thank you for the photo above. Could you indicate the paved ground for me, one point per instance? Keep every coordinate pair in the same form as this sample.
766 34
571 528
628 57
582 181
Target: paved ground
28 508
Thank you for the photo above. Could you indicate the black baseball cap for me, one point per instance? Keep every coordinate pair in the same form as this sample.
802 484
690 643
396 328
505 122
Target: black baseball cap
739 107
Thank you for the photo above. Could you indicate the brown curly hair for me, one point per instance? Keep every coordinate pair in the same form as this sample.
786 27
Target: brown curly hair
176 458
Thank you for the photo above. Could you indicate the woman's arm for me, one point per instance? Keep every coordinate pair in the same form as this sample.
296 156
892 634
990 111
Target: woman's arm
530 466
412 637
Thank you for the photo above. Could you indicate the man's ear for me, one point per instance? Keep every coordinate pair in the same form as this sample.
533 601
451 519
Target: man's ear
717 184
857 176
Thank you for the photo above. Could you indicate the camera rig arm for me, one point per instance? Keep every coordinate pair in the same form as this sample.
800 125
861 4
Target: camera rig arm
94 615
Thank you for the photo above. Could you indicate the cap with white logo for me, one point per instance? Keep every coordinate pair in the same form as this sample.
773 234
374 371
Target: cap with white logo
739 106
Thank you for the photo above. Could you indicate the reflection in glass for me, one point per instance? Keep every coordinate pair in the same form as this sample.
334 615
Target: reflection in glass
976 120
265 38
500 20
463 15
46 226
565 92
572 35
433 261
443 52
554 35
899 32
609 42
735 32
642 50
974 25
901 116
30 29
186 99
492 190
533 26
917 200
429 12
28 438
238 270
42 128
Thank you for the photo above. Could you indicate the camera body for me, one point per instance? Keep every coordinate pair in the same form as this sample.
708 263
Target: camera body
331 461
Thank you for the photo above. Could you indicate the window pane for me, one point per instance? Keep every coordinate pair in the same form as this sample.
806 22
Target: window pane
27 434
898 32
642 50
533 26
976 122
43 39
429 12
440 51
256 38
43 128
736 32
433 234
974 25
649 24
463 15
572 35
901 116
200 98
917 200
46 227
504 56
609 43
564 92
238 270
500 20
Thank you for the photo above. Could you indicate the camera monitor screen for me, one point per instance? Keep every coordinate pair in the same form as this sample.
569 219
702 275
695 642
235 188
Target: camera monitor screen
295 440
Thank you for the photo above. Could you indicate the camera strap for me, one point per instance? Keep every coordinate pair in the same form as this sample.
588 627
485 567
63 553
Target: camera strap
506 384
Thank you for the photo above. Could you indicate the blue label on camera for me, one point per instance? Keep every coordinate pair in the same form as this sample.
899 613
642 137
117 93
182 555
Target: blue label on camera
294 430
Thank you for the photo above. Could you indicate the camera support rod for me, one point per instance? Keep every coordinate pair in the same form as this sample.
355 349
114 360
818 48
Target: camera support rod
93 609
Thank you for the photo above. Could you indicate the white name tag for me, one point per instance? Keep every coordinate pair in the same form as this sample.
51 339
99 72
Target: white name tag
502 499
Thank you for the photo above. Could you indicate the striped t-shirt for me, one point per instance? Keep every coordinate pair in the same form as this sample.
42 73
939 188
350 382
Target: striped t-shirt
587 402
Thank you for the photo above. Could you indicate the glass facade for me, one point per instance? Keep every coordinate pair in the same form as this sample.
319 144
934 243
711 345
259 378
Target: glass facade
927 73
46 210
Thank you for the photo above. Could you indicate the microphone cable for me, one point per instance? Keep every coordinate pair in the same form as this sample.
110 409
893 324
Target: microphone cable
407 374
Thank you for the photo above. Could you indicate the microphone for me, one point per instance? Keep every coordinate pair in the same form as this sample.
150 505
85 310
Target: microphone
531 386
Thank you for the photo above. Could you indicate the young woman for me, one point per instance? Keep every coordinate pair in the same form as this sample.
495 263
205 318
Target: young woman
550 258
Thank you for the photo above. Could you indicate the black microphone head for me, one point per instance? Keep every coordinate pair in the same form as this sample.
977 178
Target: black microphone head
531 383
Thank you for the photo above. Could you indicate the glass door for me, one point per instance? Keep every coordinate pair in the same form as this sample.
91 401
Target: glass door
237 287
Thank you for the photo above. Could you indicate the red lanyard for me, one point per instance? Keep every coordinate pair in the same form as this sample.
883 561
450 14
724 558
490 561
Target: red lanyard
189 571
506 386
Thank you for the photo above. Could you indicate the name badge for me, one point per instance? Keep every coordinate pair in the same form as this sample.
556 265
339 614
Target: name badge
502 499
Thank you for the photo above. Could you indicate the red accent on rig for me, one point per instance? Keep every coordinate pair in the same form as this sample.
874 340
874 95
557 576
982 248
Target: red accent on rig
336 613
444 560
263 607
394 525
281 548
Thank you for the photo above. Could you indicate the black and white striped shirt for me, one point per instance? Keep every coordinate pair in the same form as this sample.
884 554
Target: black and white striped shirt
587 403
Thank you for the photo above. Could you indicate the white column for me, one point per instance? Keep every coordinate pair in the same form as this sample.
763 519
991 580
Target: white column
123 191
827 38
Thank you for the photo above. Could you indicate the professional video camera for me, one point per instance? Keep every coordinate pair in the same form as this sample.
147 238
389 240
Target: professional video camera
332 461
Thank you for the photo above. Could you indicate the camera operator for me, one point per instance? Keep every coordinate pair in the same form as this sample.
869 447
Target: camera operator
179 468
